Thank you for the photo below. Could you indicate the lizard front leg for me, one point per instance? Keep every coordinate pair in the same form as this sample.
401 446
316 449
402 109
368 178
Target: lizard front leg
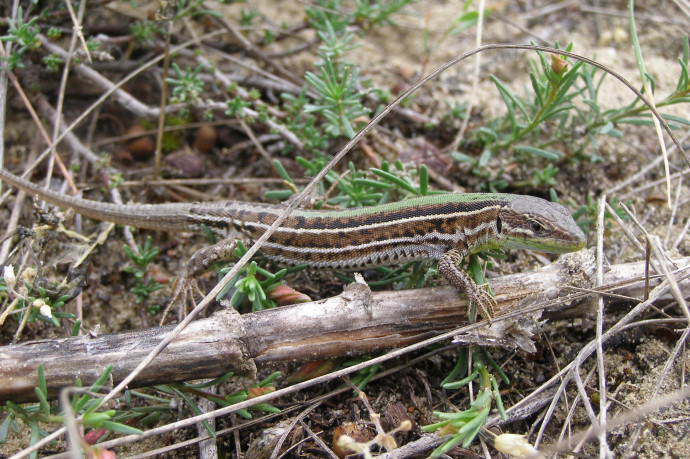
203 259
448 267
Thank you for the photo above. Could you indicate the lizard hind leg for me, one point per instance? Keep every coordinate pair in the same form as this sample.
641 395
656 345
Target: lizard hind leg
186 286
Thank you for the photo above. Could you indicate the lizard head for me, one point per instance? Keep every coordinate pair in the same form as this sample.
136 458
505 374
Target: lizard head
534 223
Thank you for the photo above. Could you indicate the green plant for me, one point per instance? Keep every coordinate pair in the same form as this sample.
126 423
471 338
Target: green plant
264 386
374 12
143 287
363 376
269 37
463 426
339 100
554 92
638 114
185 87
302 124
115 180
24 34
540 126
586 214
327 11
545 176
37 302
84 404
52 62
333 45
188 8
366 13
360 188
92 44
340 97
236 107
247 17
247 284
54 33
145 31
454 111
44 306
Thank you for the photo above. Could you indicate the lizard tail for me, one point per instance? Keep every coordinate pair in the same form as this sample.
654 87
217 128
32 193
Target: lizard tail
165 217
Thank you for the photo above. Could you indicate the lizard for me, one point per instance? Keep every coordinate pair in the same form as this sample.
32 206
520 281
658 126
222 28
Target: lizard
443 227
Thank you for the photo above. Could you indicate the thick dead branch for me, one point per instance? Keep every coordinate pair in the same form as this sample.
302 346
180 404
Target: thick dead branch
354 322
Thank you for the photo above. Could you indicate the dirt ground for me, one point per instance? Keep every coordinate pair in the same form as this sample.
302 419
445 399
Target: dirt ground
393 56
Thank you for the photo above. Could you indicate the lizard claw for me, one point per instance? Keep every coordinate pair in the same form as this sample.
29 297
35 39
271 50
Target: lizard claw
484 302
184 287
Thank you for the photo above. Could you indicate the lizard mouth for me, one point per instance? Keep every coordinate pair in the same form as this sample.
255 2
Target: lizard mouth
573 241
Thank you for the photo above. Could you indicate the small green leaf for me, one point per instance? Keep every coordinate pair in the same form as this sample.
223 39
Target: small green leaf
265 407
677 119
462 157
485 157
120 428
509 98
42 385
282 173
5 428
423 180
395 180
278 195
548 154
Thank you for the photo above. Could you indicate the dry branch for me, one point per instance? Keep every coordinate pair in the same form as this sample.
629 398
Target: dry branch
354 322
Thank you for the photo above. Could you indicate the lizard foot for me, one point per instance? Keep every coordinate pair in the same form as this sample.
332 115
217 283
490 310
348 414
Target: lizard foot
480 297
185 286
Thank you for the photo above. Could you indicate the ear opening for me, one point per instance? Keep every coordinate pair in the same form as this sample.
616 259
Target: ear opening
499 225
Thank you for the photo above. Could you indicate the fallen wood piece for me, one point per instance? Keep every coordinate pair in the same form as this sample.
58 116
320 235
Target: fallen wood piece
355 322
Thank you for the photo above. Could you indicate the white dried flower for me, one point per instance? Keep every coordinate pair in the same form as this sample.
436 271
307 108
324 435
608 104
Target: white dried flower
347 443
43 308
10 277
29 274
515 445
46 311
405 426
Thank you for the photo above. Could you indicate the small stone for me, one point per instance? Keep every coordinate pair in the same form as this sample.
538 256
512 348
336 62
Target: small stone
185 163
205 138
143 147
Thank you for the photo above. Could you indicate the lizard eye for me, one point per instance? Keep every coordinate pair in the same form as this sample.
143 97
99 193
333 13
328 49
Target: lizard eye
536 227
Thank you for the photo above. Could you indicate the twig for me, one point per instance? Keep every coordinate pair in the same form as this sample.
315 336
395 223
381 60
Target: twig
293 423
254 52
662 259
262 151
604 450
646 169
157 159
674 210
125 99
